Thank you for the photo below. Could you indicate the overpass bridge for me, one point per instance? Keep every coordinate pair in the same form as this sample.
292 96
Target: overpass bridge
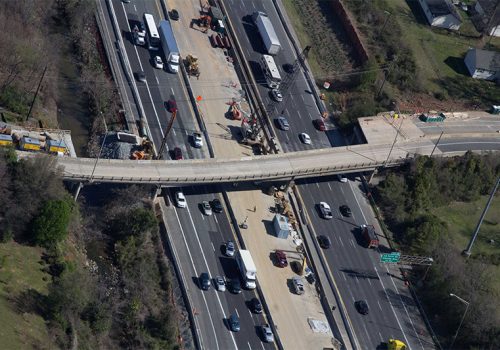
318 162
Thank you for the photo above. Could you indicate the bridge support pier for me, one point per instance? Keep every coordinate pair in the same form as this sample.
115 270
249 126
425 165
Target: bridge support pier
77 191
375 171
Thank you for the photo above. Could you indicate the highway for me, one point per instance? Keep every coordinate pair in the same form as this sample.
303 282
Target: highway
383 322
203 238
196 239
160 85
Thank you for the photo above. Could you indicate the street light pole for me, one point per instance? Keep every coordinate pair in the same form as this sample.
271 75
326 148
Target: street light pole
462 320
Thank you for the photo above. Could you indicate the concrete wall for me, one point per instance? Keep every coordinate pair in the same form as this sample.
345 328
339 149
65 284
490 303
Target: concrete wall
447 22
348 23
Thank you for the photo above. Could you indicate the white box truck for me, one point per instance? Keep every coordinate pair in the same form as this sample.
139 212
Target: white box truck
169 45
267 33
247 268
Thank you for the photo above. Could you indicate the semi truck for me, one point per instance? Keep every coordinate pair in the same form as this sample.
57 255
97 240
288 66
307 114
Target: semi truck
169 45
267 33
247 268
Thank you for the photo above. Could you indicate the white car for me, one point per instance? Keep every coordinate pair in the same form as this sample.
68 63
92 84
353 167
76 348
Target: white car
326 211
197 140
207 209
180 200
342 178
305 138
220 284
158 62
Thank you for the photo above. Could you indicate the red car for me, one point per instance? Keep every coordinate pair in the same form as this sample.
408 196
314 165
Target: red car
177 153
280 258
319 124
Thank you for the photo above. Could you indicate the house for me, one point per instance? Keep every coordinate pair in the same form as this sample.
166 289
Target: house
483 64
441 13
488 13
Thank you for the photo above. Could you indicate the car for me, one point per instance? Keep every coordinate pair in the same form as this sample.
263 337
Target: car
283 123
345 210
342 178
230 248
171 106
140 76
324 241
197 140
305 138
205 206
234 323
256 305
276 95
235 286
362 307
139 40
319 124
281 260
177 153
326 211
216 205
205 281
180 200
142 29
298 285
174 15
220 284
289 68
267 333
158 63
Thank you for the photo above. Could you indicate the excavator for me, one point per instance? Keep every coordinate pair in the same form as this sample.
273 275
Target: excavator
191 63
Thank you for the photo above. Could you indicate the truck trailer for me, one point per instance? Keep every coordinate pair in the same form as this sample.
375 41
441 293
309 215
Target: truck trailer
267 33
169 45
247 268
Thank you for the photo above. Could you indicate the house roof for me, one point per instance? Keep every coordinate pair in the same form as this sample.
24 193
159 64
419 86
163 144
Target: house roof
442 8
489 60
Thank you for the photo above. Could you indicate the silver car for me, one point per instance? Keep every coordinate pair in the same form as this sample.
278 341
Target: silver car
207 209
283 123
267 333
220 284
276 95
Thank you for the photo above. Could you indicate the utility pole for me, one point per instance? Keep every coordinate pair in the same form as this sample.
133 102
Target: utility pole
437 143
462 320
100 150
386 73
36 93
467 250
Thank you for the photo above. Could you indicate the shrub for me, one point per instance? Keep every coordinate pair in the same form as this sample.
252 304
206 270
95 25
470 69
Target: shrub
51 225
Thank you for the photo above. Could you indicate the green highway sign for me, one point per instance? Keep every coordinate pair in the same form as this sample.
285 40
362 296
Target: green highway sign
390 258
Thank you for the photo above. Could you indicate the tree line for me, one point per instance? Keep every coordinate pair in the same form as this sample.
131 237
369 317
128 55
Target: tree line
407 198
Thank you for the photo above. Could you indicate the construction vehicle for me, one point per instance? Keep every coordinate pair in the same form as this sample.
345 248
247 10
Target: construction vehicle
146 151
191 63
298 285
169 45
267 32
369 235
247 268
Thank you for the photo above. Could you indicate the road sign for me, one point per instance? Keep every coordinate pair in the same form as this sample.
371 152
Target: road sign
390 258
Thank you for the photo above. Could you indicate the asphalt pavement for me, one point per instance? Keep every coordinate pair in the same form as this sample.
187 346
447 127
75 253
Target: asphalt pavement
206 236
346 256
160 86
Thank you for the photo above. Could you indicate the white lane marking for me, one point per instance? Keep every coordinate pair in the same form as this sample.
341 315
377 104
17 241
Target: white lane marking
147 85
329 186
172 89
261 343
197 274
357 202
249 345
369 281
208 269
392 308
237 313
343 275
202 216
357 280
352 243
406 310
366 331
213 247
173 130
342 190
379 306
317 185
380 335
157 81
215 217
341 242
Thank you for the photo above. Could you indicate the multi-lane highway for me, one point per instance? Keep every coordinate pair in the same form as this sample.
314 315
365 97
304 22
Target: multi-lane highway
203 238
300 109
197 239
160 86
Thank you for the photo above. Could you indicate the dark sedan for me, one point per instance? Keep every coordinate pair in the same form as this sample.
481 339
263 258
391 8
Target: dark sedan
324 242
345 210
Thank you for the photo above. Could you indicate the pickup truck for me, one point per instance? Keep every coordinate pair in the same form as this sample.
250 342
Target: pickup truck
298 286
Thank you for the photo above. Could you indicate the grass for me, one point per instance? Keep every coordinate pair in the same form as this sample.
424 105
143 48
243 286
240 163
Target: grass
20 277
462 219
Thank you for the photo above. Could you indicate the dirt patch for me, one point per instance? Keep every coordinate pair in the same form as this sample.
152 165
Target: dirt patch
420 103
